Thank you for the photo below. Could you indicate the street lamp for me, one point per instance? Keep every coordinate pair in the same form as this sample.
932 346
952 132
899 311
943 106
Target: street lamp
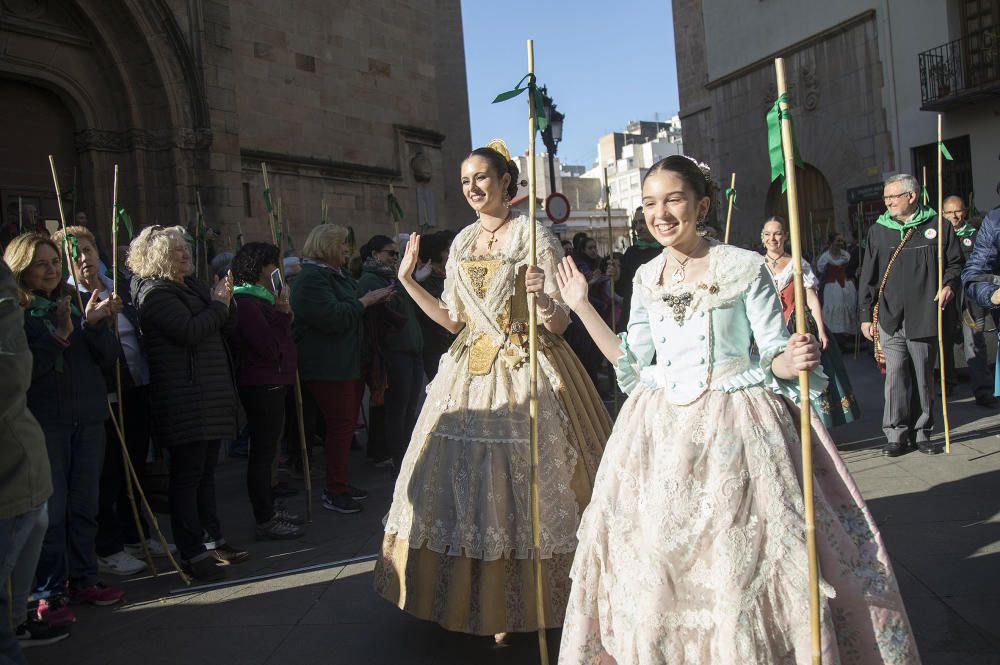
552 134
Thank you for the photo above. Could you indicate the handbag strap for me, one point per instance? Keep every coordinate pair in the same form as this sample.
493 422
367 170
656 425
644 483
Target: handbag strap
879 354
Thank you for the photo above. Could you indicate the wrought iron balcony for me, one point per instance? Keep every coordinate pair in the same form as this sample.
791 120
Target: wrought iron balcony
961 72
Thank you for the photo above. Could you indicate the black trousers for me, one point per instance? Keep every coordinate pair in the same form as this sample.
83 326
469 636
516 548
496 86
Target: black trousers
265 409
405 374
192 496
115 521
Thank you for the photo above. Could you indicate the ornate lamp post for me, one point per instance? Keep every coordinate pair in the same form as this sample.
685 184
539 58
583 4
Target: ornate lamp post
552 134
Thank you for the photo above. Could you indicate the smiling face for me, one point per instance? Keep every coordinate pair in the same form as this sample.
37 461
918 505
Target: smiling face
388 255
898 201
954 211
590 249
483 188
45 272
837 243
180 256
773 237
672 209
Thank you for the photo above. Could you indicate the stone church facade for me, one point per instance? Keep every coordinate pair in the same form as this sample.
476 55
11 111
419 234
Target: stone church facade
188 97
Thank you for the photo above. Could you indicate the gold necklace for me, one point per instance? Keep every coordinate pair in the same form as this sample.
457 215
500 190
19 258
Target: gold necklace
678 275
493 233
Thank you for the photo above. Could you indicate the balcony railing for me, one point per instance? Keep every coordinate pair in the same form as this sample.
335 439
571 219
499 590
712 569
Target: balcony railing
961 72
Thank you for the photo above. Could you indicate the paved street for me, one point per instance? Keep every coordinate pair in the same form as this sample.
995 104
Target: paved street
940 518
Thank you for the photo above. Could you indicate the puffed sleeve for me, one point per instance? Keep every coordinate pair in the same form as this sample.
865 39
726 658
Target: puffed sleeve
550 252
637 343
768 326
450 299
808 276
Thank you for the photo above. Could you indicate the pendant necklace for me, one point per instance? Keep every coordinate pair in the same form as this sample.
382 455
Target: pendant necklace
774 262
493 233
678 275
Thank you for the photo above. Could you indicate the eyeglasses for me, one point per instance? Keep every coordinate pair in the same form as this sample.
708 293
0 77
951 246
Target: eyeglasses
391 252
889 198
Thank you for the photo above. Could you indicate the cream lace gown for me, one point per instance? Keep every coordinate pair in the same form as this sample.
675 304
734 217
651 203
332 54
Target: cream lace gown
458 543
692 550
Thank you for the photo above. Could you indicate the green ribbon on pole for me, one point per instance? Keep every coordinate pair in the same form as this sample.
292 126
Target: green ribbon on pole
924 196
291 245
394 208
239 241
774 147
944 152
534 98
973 210
731 194
74 246
350 237
267 201
122 217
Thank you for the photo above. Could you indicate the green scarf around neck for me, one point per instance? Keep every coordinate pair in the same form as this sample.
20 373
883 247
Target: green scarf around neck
965 231
255 290
646 244
922 215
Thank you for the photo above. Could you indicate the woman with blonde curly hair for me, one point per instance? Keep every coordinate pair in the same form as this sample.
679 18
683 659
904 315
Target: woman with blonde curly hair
184 325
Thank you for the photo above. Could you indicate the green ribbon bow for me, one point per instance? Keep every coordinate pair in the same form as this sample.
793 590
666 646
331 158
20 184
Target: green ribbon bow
394 208
924 196
965 231
534 99
255 290
774 145
123 217
731 193
923 214
944 152
267 201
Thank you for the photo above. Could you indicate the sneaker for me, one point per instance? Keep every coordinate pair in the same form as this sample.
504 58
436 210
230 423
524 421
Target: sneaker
341 503
55 611
120 563
286 516
356 493
35 633
99 594
278 529
155 549
283 490
230 554
206 569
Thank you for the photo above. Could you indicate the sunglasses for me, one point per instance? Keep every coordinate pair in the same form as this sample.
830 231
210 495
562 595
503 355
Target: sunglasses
391 252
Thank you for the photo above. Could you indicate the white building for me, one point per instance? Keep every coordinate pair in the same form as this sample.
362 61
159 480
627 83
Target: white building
866 81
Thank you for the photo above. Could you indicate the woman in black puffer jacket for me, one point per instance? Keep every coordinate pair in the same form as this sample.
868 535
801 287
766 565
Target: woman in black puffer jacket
194 401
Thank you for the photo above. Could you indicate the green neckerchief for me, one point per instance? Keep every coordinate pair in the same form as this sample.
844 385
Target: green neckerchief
965 231
922 215
255 290
40 307
646 244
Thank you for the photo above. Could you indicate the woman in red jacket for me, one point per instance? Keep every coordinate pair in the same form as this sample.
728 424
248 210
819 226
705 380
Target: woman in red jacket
266 360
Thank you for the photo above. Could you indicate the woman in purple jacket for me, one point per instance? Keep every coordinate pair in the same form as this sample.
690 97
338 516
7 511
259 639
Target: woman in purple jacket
266 361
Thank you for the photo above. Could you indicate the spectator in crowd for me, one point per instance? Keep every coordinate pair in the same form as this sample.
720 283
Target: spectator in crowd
838 292
80 219
644 249
219 266
267 360
434 257
27 483
399 341
73 352
585 253
191 383
119 542
328 332
567 246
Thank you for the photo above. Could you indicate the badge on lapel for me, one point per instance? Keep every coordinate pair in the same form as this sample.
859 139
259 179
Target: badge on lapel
930 234
967 242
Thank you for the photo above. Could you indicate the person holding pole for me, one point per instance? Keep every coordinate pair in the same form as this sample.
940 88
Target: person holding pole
980 273
693 549
266 359
458 545
899 299
73 352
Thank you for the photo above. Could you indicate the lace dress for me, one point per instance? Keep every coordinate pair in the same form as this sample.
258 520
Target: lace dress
692 550
836 405
840 296
458 547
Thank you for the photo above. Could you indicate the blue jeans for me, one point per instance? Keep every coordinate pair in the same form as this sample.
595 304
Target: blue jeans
76 454
20 543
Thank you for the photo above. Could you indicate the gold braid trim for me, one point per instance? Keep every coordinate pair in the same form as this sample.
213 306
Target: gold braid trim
876 337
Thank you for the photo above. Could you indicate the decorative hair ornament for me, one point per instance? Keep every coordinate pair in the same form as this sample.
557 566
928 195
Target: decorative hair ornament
706 170
499 146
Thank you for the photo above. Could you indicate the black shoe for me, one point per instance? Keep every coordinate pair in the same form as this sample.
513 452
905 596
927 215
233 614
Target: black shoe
893 449
230 554
35 633
282 490
206 569
341 503
988 401
928 448
356 493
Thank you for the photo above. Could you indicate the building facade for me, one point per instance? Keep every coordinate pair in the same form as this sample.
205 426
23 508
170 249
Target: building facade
866 79
189 97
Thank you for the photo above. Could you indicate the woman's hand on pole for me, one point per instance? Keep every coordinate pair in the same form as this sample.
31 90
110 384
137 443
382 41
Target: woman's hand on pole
802 353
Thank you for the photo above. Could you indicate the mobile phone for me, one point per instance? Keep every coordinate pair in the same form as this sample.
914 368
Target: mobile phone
276 282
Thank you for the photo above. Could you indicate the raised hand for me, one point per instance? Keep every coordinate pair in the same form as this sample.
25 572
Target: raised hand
223 289
64 322
411 257
377 296
572 284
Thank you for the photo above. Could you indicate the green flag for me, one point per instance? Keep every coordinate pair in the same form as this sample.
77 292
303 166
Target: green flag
122 217
394 208
774 144
533 97
731 194
944 152
267 202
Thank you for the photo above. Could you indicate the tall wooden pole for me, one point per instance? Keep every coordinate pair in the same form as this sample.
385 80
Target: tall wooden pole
202 239
395 222
729 210
20 215
62 224
940 281
924 195
270 204
536 516
861 227
800 327
613 318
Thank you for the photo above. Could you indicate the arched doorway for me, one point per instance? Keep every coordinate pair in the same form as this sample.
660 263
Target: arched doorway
816 216
36 124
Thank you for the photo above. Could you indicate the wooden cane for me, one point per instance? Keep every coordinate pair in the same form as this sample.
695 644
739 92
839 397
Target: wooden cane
20 216
729 210
202 239
800 328
536 517
940 284
395 222
270 204
611 323
306 471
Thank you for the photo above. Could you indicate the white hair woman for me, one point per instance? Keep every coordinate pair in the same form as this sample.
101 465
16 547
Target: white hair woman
184 324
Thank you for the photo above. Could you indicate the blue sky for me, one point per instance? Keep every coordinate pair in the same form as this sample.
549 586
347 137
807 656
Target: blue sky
604 63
